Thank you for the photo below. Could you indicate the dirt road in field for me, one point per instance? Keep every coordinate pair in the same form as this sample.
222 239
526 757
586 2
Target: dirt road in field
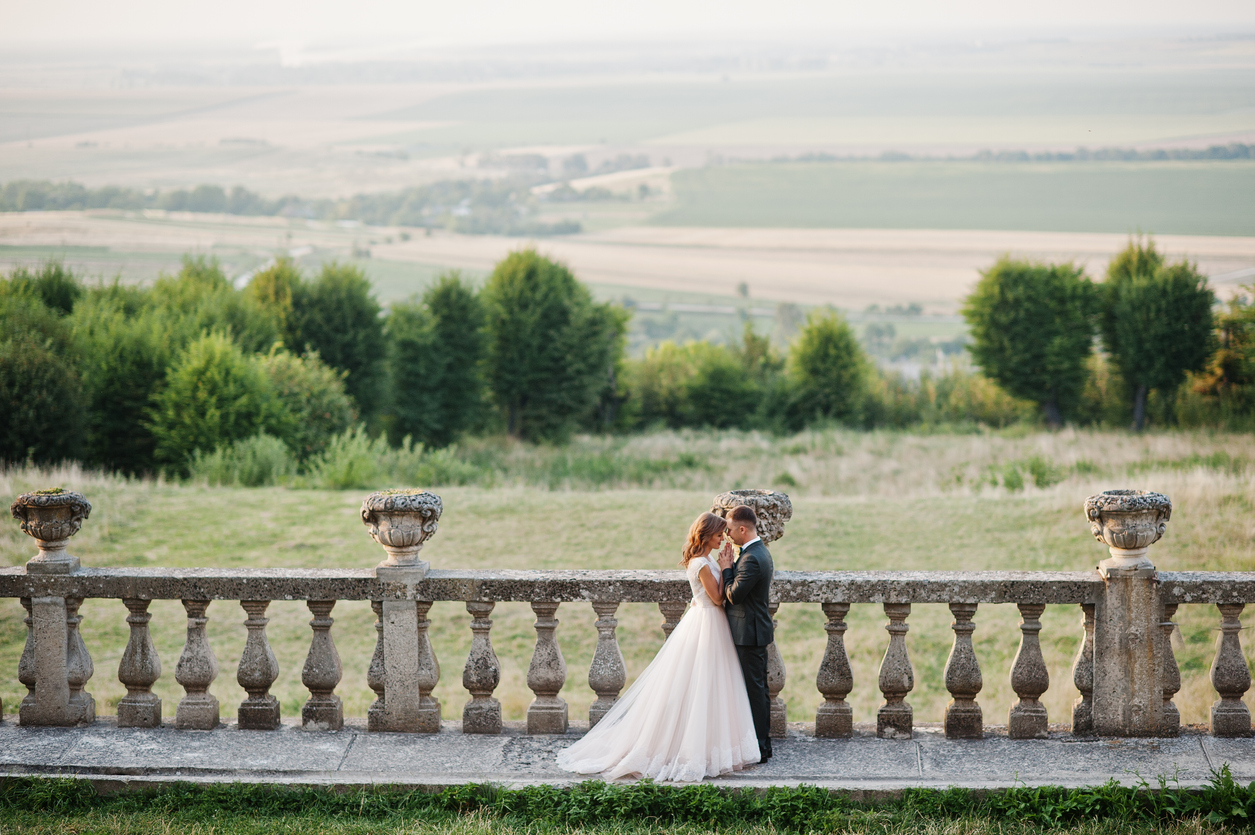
849 268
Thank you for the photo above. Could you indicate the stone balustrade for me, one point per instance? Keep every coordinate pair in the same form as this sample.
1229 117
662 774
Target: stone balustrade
1124 670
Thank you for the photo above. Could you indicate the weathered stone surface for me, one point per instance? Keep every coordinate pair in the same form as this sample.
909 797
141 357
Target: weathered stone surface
1128 520
772 508
51 517
673 610
78 666
322 672
401 521
257 671
547 714
558 586
895 718
196 671
1083 676
608 673
482 674
51 702
1231 676
1029 679
139 670
1171 675
834 718
963 717
776 674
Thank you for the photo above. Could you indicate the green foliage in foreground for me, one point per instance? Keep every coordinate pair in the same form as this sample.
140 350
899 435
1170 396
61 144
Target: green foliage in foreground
27 804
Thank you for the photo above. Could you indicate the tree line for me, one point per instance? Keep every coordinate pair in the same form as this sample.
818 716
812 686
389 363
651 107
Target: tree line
140 379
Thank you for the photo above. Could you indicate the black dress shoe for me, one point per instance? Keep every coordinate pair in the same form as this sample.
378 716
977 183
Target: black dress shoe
764 758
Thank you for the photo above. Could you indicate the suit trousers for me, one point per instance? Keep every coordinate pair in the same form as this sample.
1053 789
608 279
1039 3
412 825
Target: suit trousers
754 668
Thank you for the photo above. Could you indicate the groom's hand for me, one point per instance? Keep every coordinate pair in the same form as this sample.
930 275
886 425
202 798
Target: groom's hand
725 555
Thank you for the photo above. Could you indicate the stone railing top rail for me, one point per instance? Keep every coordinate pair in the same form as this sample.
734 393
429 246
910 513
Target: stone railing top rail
523 585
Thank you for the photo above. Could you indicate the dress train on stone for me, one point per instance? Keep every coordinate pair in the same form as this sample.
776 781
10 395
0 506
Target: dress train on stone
687 716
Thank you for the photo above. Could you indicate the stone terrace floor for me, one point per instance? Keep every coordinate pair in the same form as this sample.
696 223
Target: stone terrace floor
120 758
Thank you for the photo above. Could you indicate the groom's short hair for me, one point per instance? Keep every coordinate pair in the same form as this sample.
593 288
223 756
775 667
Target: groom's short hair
743 515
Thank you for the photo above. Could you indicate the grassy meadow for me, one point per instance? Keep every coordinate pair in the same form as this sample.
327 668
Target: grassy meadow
1009 500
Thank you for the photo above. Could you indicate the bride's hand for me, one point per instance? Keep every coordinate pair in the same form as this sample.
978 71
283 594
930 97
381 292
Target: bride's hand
725 555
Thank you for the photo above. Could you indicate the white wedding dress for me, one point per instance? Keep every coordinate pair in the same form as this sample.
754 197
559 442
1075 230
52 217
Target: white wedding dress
687 717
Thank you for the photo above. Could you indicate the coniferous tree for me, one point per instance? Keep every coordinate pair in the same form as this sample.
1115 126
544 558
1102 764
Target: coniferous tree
1032 331
1157 321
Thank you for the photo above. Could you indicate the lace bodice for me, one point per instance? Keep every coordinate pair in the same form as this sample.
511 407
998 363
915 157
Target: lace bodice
695 583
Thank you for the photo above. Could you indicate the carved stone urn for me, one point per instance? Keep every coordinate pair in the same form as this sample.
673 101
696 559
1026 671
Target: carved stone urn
51 517
401 521
1128 522
772 509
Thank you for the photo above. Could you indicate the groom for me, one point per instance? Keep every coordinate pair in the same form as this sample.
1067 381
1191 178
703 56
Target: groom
746 585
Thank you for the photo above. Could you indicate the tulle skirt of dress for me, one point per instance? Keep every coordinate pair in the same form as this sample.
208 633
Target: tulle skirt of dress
686 718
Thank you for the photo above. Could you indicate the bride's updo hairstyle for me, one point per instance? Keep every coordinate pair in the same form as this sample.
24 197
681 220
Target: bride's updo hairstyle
702 529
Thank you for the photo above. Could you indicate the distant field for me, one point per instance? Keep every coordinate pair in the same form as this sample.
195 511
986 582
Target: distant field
1206 198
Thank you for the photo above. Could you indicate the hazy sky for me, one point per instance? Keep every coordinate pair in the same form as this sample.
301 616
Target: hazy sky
458 22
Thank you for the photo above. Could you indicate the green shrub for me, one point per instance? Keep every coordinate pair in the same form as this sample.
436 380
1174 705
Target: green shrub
828 371
41 390
352 460
200 299
259 461
315 405
214 395
52 283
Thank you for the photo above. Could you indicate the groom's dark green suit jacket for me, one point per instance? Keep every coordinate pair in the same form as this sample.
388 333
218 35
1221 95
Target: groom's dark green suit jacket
745 585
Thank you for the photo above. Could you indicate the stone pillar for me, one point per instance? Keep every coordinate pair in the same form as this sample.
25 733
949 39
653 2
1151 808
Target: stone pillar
963 717
51 702
607 674
1128 641
1231 676
482 674
428 673
835 718
775 682
1171 675
895 718
196 670
672 611
139 670
1029 679
375 673
58 665
26 664
323 710
547 714
258 670
1083 676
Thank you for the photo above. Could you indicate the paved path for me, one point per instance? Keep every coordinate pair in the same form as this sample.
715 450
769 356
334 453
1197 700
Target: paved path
118 758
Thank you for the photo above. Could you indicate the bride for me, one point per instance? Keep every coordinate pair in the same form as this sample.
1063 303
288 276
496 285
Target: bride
687 717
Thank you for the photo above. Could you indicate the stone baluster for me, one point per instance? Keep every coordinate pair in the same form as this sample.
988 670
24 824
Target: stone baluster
1029 678
482 714
1231 676
547 714
322 672
1171 675
428 674
196 671
963 717
1083 676
375 674
672 611
139 670
26 664
775 682
1128 642
895 718
78 666
258 670
835 717
607 674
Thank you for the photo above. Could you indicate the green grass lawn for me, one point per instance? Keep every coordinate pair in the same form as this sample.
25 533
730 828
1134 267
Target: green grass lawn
1195 198
862 500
